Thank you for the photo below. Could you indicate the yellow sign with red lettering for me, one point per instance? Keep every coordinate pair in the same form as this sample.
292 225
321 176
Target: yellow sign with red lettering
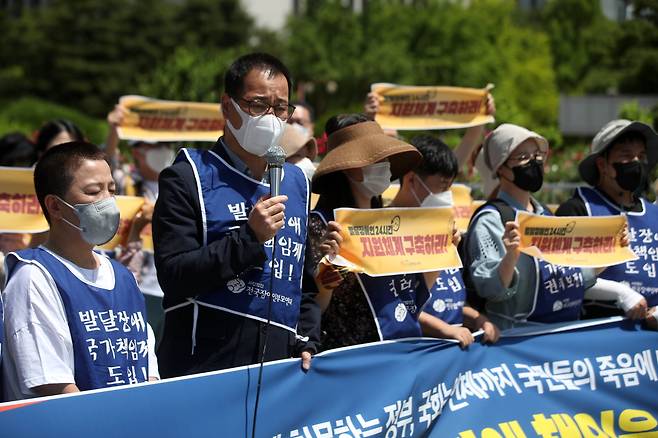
387 241
574 241
418 108
20 211
157 120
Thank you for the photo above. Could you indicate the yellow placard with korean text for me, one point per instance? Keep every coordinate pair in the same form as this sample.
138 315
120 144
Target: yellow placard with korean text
423 107
157 120
20 211
576 241
387 241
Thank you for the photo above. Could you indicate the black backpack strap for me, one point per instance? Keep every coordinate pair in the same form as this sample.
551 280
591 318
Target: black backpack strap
507 213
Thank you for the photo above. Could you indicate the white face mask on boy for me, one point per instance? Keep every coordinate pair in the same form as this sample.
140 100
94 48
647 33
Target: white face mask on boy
441 199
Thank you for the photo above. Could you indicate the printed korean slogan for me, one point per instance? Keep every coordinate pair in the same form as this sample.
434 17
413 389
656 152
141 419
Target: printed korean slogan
418 108
560 381
574 241
165 120
20 211
387 241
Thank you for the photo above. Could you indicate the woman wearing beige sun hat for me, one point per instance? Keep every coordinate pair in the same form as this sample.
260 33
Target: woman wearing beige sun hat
359 166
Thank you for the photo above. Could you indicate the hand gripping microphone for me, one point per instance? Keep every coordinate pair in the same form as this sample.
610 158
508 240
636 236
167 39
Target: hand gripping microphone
275 157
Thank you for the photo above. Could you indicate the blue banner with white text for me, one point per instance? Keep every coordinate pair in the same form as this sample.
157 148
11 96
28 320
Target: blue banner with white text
592 381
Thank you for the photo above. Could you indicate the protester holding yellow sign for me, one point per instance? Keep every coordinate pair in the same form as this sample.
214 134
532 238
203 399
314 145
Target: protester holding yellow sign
359 166
624 154
519 288
430 185
362 308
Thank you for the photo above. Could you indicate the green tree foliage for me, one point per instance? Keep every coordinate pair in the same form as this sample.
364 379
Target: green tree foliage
637 49
26 115
581 40
425 43
87 53
194 74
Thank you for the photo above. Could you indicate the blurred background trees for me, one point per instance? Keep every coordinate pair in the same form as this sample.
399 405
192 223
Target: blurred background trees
70 56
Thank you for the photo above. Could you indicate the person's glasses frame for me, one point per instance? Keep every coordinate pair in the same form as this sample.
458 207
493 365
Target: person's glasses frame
259 108
525 157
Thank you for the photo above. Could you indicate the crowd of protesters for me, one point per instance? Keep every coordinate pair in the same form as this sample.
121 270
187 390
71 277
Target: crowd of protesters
212 294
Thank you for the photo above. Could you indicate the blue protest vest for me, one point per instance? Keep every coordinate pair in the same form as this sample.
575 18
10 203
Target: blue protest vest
108 327
395 300
643 233
447 297
559 290
226 197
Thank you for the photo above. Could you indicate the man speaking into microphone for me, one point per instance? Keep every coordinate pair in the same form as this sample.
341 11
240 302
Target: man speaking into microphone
214 227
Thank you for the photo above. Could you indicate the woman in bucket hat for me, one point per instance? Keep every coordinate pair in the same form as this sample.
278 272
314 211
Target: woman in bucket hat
359 166
518 289
623 155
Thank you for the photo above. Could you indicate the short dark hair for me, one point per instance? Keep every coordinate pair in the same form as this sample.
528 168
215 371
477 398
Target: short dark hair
52 129
438 158
341 121
53 174
234 77
16 150
304 104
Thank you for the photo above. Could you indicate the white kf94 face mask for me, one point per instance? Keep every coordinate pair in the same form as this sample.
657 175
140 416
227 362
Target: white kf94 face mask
257 133
376 179
99 221
441 199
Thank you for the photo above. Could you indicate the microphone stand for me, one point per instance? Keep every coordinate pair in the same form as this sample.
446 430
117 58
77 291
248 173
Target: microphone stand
275 157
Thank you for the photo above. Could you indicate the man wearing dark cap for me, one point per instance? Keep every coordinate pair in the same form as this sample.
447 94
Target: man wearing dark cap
622 156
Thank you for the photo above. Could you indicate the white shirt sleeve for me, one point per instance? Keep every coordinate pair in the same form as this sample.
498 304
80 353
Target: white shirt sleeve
607 290
39 349
153 360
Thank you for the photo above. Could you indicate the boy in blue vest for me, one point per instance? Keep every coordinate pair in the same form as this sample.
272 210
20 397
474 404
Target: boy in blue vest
75 320
213 228
446 315
623 155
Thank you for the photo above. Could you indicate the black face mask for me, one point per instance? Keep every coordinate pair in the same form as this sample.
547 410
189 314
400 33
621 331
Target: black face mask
631 176
529 177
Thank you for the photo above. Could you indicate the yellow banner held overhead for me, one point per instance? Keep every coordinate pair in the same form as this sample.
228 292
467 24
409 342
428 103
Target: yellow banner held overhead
157 120
418 108
387 241
20 211
577 241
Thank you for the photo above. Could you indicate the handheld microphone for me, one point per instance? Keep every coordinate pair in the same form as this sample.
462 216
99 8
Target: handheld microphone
275 157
